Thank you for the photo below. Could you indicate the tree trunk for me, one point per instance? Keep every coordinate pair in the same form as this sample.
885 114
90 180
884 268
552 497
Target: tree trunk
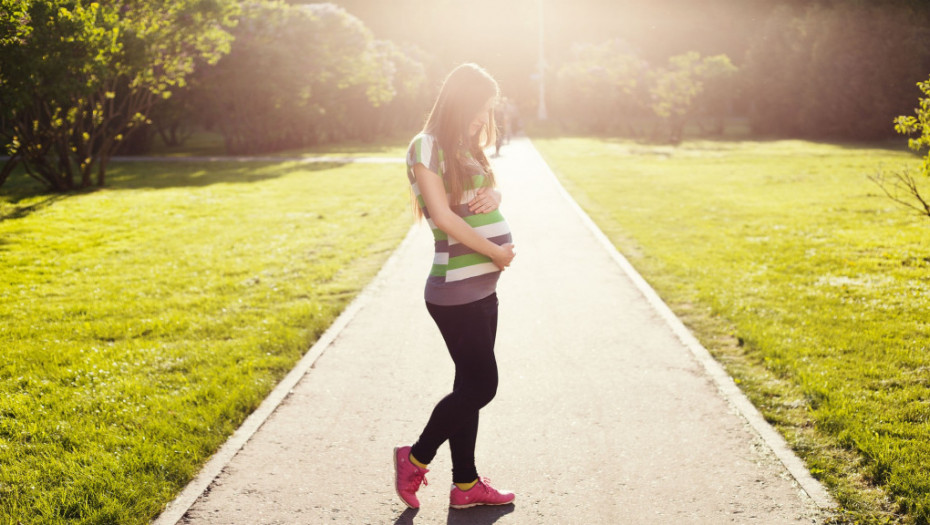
102 171
103 157
8 168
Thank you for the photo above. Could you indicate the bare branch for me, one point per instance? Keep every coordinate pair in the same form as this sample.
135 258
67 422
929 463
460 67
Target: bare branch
902 182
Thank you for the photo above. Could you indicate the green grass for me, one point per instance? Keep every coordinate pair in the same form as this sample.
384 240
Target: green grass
143 322
806 282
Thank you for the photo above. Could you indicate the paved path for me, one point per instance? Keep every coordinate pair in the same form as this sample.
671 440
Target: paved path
606 411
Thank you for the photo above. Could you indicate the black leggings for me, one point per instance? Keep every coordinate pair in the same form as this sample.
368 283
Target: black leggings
469 331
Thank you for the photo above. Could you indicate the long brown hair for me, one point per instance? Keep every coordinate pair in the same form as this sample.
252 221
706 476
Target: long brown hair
462 96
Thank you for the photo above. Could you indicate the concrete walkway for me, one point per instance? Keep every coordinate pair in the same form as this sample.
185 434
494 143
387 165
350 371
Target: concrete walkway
608 411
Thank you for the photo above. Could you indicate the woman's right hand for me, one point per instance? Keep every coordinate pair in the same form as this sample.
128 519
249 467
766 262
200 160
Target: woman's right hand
504 256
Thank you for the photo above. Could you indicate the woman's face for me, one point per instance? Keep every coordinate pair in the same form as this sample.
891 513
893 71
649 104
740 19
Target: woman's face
481 119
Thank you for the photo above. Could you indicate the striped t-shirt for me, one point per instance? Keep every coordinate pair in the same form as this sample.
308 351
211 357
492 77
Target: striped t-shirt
459 275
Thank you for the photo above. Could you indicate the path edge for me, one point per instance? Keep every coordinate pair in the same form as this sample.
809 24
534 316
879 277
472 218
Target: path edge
175 511
722 380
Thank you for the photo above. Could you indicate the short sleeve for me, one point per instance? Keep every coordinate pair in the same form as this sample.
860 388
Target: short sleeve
424 149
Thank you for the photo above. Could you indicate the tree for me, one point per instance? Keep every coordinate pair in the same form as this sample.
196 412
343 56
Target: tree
14 29
175 117
720 90
901 186
863 62
78 76
298 75
601 87
837 70
919 124
676 89
406 78
774 71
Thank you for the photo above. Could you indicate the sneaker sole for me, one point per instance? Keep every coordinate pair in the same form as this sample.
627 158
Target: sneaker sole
470 505
395 482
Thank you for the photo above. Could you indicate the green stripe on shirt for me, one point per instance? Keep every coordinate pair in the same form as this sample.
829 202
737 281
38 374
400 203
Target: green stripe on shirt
467 260
483 219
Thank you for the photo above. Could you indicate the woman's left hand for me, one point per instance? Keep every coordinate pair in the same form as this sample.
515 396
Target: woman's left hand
486 200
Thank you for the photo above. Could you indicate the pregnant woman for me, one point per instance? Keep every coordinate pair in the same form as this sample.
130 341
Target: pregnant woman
453 185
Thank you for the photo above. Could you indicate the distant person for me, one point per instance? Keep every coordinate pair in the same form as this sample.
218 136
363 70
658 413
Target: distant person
453 185
502 113
513 120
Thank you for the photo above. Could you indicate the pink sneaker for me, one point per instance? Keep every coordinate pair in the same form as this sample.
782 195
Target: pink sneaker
407 477
481 494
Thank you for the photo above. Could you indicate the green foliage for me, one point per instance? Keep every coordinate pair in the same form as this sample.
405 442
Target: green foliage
403 70
919 124
806 285
774 73
839 70
601 86
78 76
142 323
721 89
676 89
300 75
14 26
900 184
607 87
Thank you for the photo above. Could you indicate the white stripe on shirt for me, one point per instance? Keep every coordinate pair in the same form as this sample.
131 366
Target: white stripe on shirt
470 271
488 231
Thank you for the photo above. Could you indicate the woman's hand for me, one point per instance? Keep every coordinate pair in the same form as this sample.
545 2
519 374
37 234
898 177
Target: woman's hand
503 257
486 200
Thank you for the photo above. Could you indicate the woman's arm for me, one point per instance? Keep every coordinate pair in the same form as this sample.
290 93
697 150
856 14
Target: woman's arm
434 194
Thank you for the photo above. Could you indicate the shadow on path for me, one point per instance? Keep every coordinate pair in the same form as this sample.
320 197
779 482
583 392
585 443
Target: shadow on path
473 516
478 515
406 517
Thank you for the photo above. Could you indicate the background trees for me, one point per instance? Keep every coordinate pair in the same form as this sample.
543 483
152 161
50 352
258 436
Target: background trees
602 87
677 89
841 70
77 77
298 76
80 79
290 78
825 70
607 87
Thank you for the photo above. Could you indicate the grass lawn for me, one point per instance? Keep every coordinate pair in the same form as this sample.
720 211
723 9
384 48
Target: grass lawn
143 322
802 278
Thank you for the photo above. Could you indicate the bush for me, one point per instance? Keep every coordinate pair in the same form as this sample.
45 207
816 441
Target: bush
602 87
902 186
77 79
677 90
302 75
607 88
